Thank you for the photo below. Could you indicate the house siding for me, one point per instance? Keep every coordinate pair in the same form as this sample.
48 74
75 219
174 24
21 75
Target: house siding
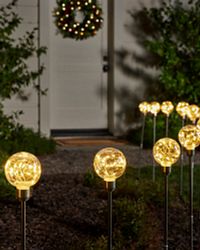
28 10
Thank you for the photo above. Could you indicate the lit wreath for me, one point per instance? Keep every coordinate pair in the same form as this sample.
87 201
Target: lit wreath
66 14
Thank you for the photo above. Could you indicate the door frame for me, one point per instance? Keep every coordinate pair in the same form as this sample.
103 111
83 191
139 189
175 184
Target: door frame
44 41
111 62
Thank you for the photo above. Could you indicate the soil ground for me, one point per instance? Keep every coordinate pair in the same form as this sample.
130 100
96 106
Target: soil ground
62 211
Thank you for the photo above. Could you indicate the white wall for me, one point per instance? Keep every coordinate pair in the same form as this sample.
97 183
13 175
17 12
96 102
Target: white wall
27 9
127 88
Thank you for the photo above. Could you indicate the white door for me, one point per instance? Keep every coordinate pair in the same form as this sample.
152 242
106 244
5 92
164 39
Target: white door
78 86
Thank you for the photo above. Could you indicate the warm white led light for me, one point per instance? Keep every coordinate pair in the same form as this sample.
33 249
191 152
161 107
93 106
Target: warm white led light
23 170
166 152
109 164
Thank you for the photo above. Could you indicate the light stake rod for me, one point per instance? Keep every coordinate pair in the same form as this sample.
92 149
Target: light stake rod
23 170
191 174
166 171
23 225
167 125
189 138
167 107
109 164
110 186
181 161
144 108
154 140
23 196
142 133
166 152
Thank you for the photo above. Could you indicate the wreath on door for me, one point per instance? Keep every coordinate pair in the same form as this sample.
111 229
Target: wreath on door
78 19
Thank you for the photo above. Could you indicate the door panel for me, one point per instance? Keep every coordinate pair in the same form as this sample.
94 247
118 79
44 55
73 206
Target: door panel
78 86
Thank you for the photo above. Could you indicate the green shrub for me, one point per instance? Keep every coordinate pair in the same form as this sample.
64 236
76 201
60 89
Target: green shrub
98 244
138 205
175 125
23 139
6 190
89 179
178 52
129 216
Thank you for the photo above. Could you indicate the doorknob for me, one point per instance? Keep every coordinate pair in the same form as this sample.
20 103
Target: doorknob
105 68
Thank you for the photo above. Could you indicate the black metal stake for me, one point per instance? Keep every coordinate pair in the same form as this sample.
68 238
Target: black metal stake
154 140
23 225
110 186
191 174
142 132
23 196
182 160
167 126
142 141
166 171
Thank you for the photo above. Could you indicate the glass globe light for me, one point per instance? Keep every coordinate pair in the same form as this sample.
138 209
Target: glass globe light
167 107
154 108
198 124
144 107
193 112
189 137
181 109
109 164
23 170
166 152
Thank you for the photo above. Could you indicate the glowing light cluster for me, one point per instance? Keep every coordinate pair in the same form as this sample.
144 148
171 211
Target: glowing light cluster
65 18
189 137
144 107
154 108
23 170
109 164
166 152
167 107
182 108
193 112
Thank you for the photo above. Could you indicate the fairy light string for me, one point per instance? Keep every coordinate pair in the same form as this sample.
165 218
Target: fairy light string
78 19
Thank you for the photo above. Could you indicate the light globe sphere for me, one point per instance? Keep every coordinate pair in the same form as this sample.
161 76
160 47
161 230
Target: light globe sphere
182 108
198 124
154 108
166 152
144 107
189 137
193 112
109 164
167 107
23 170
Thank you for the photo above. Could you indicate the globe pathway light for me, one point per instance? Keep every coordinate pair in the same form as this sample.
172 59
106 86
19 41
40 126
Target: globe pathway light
193 113
109 164
23 170
189 137
167 108
198 124
154 109
144 109
182 110
166 152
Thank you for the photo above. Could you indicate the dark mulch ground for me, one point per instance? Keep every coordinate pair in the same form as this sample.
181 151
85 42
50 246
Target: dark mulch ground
63 212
